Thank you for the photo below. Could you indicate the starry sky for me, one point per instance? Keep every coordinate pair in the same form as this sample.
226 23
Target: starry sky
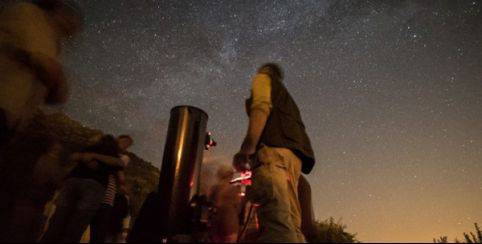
390 93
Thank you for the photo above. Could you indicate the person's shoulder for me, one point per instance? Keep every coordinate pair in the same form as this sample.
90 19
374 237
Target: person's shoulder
260 77
22 7
125 158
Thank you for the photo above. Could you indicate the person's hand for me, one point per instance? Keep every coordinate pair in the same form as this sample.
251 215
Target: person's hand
50 73
76 157
92 164
87 157
123 189
241 161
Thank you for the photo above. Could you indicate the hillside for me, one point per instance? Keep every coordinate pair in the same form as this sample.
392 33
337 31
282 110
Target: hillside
48 129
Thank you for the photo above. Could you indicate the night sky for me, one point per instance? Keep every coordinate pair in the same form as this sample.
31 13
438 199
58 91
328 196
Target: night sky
390 93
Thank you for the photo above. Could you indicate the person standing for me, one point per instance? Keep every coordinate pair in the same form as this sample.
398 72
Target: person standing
83 191
25 222
120 219
277 149
31 73
306 204
226 199
99 231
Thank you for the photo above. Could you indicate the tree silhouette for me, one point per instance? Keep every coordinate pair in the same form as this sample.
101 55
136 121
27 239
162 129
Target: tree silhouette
470 237
329 231
442 239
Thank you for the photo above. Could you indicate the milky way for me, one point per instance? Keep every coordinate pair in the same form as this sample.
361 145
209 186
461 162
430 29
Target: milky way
390 93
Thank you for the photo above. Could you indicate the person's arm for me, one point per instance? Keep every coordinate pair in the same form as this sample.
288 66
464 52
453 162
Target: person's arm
82 157
121 182
75 157
85 158
49 71
108 160
258 116
257 122
120 176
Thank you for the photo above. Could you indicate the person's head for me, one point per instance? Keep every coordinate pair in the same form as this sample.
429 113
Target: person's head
94 139
66 15
107 145
124 141
273 70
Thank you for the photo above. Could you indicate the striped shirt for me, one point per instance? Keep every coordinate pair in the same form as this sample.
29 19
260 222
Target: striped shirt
111 188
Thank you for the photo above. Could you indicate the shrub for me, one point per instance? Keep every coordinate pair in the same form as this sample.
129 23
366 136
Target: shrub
329 231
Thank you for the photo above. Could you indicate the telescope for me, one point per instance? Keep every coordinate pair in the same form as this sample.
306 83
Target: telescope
174 212
177 212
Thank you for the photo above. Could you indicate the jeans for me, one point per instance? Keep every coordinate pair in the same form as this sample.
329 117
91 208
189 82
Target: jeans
275 188
100 224
3 125
78 202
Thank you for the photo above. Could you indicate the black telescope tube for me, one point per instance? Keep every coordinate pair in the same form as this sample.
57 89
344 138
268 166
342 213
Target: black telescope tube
181 165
